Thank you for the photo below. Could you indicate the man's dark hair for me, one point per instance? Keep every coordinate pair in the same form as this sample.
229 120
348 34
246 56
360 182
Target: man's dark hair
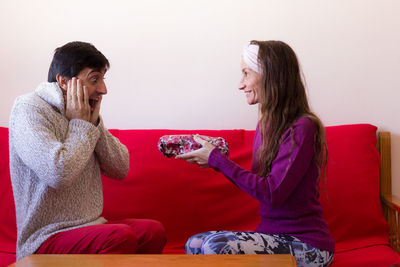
70 59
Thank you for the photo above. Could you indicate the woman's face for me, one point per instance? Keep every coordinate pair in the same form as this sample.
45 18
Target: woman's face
250 83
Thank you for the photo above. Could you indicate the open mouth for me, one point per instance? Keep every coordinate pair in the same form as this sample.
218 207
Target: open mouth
92 103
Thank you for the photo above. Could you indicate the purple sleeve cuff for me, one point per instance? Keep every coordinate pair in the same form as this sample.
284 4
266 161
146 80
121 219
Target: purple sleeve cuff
214 158
222 163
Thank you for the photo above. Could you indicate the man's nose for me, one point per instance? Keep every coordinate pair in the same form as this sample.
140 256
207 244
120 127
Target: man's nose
102 89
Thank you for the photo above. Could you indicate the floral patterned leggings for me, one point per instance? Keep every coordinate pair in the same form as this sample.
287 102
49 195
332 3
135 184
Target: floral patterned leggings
229 242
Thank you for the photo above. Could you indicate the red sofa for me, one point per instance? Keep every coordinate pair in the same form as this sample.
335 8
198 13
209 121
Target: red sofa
189 200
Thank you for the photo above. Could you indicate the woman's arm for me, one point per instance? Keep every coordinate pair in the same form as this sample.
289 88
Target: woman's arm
291 163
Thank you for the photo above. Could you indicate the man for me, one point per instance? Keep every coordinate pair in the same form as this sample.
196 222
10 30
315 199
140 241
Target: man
58 149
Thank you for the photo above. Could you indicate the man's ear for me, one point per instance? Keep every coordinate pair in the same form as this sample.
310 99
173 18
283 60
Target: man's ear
62 82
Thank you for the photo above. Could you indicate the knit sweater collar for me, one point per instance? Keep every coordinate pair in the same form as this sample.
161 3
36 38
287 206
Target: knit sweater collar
52 94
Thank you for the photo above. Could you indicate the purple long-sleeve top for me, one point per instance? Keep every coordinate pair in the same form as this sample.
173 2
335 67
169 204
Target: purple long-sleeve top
288 195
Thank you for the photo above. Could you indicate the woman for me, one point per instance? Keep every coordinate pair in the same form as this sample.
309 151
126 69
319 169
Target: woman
288 158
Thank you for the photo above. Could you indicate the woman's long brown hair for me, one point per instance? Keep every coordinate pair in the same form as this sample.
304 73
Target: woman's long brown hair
282 101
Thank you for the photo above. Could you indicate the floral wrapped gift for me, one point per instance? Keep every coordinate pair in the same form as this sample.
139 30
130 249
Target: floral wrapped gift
173 145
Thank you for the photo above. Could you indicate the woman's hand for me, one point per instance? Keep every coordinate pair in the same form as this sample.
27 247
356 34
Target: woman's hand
200 156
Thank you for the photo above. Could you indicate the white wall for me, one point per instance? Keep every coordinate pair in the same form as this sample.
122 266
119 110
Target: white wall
175 63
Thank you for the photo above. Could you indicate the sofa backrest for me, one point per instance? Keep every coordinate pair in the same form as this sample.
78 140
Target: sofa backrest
350 197
8 229
184 197
189 200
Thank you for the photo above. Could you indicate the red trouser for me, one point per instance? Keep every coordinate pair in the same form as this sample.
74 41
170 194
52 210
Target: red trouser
129 236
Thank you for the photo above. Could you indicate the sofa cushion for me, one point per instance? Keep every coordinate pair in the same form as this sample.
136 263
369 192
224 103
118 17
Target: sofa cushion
184 197
374 256
350 197
7 258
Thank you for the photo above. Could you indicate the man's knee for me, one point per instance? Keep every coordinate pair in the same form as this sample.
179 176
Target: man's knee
157 229
152 237
121 239
157 232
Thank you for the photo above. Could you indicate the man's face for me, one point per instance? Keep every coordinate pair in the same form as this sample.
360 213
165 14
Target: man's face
93 79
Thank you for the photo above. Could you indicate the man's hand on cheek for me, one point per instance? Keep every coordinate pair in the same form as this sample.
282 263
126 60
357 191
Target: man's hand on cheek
77 106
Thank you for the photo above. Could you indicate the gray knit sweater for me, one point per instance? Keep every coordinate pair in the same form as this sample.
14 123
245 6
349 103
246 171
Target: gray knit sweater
55 167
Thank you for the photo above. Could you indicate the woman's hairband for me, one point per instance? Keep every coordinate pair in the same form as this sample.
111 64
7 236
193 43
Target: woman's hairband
250 57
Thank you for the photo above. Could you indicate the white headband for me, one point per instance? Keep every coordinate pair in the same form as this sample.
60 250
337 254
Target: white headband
250 57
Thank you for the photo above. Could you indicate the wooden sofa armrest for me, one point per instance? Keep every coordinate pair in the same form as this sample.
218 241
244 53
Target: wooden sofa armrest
390 203
391 210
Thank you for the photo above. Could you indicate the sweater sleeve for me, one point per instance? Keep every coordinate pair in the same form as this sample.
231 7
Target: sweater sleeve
112 155
58 163
289 167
